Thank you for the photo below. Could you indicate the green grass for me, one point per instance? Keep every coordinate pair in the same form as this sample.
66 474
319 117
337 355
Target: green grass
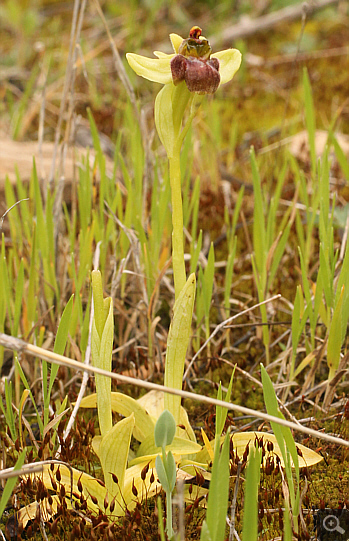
280 237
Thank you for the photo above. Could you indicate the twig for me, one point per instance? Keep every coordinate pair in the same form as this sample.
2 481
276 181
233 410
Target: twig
178 511
8 210
233 503
221 326
247 26
34 351
42 523
303 57
26 470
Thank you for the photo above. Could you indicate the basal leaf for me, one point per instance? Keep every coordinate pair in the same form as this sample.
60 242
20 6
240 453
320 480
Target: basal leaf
179 446
241 439
113 452
125 405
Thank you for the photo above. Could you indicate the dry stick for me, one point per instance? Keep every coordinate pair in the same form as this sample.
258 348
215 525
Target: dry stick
42 523
221 326
303 57
28 469
233 504
248 26
2 218
17 344
178 510
259 384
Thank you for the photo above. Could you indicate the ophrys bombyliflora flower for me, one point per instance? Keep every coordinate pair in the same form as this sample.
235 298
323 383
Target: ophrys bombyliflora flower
192 62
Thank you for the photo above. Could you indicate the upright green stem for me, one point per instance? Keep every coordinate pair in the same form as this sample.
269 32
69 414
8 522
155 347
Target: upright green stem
177 223
169 528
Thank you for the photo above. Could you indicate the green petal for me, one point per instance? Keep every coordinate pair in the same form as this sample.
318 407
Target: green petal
153 69
229 63
160 54
176 40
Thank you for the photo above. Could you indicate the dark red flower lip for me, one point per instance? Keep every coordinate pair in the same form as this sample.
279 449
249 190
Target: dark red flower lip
200 75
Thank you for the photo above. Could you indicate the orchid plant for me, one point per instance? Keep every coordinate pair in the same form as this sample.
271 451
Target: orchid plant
189 73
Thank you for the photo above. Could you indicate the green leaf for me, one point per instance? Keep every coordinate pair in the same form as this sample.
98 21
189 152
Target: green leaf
165 429
113 453
18 299
101 349
287 524
284 438
217 502
10 484
61 339
205 532
162 474
171 469
221 413
208 280
177 344
309 117
335 337
179 446
63 328
278 253
125 405
342 280
97 289
340 155
250 519
195 253
258 217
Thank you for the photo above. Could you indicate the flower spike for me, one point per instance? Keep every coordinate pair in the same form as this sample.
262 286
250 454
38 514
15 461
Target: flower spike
190 71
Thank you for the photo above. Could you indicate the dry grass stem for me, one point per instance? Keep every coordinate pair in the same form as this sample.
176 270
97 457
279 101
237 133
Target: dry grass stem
19 345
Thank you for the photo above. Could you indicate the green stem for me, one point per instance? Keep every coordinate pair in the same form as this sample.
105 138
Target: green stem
169 528
177 223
